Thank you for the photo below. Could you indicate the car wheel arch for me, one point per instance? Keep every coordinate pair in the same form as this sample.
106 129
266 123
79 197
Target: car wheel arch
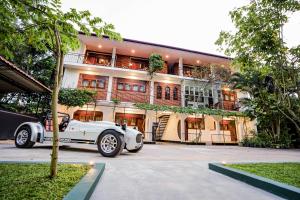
33 128
106 130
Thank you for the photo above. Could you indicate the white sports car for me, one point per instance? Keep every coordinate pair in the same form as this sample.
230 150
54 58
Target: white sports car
110 138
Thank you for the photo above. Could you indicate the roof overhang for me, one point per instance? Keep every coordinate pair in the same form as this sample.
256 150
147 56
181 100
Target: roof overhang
144 49
13 79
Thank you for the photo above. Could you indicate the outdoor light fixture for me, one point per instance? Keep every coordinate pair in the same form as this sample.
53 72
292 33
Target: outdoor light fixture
167 56
132 51
91 163
198 61
130 64
99 46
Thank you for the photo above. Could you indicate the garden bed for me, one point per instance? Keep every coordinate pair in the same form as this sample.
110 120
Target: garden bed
281 179
288 173
31 180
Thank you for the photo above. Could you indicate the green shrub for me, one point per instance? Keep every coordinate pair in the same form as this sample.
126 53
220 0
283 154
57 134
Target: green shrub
75 97
266 140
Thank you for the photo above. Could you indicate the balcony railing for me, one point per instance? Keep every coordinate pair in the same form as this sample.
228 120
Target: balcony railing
123 96
199 72
125 62
75 58
84 59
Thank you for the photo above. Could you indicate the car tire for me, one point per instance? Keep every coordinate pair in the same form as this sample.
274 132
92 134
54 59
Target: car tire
136 150
110 143
22 137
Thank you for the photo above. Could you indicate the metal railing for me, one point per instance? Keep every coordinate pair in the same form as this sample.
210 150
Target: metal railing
222 138
124 96
75 58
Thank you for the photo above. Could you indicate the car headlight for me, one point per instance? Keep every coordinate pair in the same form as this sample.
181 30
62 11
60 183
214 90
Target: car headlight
139 138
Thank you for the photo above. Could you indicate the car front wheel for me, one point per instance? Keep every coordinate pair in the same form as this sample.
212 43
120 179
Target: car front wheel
22 138
110 143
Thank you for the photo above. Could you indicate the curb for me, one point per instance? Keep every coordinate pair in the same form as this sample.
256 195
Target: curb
84 189
274 187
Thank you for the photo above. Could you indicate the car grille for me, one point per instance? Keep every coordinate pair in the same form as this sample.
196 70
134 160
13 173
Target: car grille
139 138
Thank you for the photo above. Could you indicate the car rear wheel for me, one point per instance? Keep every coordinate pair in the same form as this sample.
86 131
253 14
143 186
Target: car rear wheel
110 143
22 138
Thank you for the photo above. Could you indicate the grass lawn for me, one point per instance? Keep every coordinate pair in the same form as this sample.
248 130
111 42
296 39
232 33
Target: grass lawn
288 173
31 181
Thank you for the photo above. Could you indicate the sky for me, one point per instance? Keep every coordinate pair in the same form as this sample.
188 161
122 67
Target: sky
189 24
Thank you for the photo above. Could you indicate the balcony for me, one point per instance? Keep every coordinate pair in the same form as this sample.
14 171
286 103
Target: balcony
96 58
127 62
200 72
104 59
198 99
91 58
123 96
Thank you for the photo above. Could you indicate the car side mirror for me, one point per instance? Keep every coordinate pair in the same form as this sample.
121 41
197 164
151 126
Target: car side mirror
124 127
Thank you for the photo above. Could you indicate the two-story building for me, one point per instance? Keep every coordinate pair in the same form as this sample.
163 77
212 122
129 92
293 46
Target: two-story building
117 71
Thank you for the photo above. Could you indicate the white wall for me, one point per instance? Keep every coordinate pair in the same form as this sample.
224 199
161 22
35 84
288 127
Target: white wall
171 132
70 78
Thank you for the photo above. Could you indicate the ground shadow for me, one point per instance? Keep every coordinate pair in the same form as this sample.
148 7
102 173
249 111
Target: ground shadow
77 149
68 148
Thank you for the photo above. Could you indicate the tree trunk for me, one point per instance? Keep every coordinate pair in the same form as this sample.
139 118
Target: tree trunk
54 103
278 130
55 147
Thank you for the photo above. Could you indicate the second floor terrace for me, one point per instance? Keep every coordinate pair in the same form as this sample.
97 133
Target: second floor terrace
159 93
133 55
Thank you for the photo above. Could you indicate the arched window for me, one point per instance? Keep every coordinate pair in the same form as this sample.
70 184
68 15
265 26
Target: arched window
158 92
175 93
167 93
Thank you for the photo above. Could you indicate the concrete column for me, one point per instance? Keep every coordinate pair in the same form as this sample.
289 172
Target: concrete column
113 57
107 113
182 127
215 94
109 88
150 118
218 127
151 92
217 119
149 121
240 129
182 94
180 66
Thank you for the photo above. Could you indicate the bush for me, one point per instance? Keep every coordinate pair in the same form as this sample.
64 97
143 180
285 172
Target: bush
266 140
75 97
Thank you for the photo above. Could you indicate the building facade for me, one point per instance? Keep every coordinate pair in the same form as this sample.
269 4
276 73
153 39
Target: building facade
117 71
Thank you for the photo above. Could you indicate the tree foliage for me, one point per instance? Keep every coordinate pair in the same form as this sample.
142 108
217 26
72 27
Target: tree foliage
43 25
75 97
269 69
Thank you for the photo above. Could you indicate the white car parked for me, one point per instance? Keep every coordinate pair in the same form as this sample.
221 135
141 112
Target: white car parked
110 138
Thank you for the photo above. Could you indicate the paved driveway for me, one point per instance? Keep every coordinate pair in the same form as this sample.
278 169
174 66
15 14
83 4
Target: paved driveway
164 171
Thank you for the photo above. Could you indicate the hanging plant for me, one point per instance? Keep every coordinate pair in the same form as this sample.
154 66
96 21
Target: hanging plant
189 110
156 64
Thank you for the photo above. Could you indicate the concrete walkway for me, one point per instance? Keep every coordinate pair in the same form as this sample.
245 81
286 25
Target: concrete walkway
164 171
